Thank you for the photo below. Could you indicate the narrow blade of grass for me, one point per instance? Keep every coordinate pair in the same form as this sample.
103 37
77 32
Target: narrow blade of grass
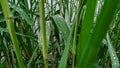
30 61
17 33
22 13
113 56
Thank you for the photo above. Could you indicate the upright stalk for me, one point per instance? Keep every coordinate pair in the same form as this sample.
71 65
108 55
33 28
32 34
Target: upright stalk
71 9
10 24
43 32
75 32
52 7
61 7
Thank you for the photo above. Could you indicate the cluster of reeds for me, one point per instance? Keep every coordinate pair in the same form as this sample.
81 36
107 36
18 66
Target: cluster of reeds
59 33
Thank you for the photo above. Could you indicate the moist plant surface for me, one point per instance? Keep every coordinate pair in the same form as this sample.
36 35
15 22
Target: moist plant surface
59 34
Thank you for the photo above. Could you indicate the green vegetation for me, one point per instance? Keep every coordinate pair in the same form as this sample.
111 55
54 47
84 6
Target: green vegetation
59 33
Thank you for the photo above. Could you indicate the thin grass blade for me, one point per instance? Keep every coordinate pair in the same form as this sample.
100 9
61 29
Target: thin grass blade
113 56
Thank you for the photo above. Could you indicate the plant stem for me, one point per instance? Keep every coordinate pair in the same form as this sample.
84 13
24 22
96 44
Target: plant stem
61 7
10 24
52 7
75 33
43 32
71 9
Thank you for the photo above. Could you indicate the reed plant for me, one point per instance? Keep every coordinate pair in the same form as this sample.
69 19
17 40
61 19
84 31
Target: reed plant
10 25
59 33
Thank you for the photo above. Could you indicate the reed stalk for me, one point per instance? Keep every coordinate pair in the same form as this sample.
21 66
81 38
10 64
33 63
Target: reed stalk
43 32
10 25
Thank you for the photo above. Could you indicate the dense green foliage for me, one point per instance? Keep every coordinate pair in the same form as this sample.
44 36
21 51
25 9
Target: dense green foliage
59 33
